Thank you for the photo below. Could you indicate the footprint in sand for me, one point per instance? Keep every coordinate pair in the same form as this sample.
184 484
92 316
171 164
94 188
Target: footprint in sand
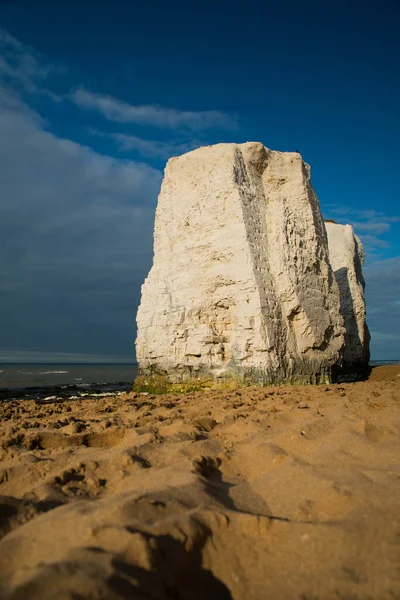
80 481
376 433
206 465
206 424
134 460
48 440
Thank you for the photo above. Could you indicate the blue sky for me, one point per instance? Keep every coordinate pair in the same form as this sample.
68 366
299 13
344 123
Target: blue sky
96 96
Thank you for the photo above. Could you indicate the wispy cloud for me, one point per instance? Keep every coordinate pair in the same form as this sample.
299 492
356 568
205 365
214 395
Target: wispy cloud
371 227
148 148
21 66
371 221
153 115
364 215
372 242
22 69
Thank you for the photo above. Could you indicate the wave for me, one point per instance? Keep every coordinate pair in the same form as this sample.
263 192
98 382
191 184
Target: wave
51 372
62 392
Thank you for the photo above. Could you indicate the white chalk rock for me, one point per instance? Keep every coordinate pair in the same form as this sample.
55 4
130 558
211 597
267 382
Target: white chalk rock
346 254
241 285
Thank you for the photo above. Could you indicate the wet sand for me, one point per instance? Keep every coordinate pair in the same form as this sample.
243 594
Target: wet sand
255 494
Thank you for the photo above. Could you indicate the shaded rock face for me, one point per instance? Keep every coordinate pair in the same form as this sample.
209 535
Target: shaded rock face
241 287
346 254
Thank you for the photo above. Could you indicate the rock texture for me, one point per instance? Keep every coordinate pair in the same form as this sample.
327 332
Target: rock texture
346 254
241 286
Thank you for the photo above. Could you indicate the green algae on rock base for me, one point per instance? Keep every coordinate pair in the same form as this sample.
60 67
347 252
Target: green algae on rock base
157 381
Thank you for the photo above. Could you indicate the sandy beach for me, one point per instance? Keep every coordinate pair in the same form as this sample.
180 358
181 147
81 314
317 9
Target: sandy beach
260 493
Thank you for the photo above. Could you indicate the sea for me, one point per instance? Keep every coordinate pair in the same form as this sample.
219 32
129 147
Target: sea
382 363
33 380
55 380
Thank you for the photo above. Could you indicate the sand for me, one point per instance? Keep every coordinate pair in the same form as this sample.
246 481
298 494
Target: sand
260 493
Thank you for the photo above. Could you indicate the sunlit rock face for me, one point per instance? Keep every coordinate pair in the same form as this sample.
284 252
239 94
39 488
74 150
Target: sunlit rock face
346 254
241 288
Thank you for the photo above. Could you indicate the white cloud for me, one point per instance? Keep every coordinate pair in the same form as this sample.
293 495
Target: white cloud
76 238
157 116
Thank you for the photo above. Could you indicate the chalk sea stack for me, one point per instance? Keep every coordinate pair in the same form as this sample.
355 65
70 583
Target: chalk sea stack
346 254
241 289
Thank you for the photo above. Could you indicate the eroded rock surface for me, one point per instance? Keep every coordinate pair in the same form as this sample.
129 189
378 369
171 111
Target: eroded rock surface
346 254
241 286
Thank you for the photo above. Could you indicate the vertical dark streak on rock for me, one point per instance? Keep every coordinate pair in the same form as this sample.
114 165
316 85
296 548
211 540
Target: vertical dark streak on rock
254 218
